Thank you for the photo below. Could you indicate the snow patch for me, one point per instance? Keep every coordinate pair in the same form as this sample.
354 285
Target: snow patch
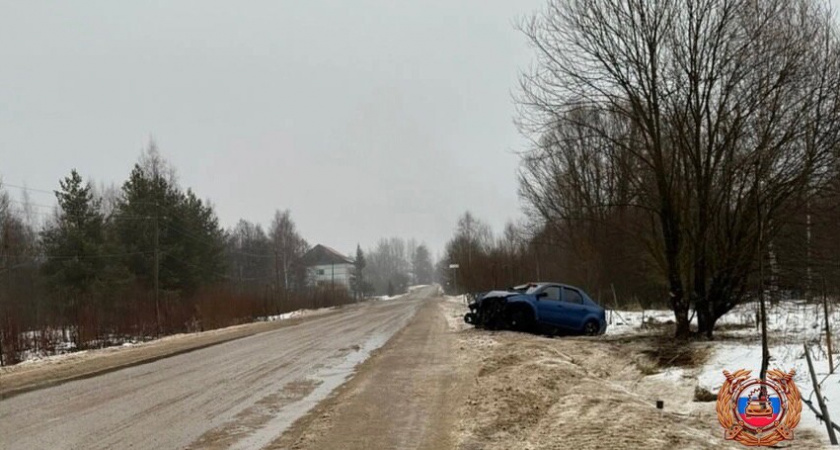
790 324
294 314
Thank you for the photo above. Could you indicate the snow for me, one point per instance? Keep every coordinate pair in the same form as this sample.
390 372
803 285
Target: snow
294 314
790 325
674 374
459 299
62 348
391 297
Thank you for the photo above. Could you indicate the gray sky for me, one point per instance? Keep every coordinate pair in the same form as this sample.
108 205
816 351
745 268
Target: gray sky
365 118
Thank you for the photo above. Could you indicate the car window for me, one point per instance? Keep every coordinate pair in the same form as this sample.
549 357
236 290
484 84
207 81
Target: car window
552 293
532 288
572 296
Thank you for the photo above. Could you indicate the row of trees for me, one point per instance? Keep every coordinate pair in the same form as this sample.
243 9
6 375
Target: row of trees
150 258
686 150
146 259
395 263
488 261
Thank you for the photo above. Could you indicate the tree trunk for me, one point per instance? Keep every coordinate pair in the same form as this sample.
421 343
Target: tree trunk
681 316
706 320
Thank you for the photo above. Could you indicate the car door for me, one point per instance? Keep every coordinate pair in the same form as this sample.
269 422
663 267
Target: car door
549 309
574 309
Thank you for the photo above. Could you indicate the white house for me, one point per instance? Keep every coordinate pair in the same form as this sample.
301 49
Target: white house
325 266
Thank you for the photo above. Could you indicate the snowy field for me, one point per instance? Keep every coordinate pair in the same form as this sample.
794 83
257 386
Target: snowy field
791 325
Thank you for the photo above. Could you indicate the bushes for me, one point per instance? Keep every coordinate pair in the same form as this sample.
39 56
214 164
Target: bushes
132 317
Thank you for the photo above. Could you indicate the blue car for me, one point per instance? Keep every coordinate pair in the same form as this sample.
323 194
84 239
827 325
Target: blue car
555 307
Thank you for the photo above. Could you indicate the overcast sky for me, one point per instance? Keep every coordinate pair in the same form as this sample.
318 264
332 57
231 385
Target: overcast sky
365 118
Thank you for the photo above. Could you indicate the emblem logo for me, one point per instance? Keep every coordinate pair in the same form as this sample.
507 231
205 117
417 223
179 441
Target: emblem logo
755 412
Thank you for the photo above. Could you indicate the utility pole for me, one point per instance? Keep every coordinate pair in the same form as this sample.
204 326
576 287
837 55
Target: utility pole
157 270
827 329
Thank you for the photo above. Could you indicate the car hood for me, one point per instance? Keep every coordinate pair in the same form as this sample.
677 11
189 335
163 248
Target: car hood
500 294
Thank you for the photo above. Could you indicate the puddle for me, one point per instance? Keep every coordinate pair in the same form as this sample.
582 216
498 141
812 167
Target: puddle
328 378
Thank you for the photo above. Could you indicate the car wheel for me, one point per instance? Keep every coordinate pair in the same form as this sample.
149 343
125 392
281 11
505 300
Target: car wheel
521 319
493 314
469 318
591 328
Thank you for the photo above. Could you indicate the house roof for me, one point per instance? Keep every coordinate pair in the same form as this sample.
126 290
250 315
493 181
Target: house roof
320 255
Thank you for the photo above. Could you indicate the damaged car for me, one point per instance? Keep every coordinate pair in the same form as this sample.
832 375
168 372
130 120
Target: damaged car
539 307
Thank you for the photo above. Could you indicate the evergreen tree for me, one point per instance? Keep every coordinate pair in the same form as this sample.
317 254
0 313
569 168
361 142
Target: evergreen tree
73 244
155 216
358 272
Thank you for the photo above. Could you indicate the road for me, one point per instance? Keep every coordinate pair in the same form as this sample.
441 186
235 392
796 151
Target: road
407 396
240 394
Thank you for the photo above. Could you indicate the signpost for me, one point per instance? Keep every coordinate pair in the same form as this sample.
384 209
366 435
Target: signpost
454 268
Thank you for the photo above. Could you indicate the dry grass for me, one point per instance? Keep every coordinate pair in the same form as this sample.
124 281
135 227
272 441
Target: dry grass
703 395
666 352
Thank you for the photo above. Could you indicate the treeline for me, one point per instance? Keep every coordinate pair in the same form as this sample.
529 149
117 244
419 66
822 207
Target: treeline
394 264
530 252
684 151
150 258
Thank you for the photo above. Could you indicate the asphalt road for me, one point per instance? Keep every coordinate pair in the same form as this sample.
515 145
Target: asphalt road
240 394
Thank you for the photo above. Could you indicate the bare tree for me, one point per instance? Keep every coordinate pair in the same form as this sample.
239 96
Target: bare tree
288 247
698 109
388 264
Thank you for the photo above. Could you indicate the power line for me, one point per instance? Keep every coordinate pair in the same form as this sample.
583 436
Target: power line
95 256
53 192
24 188
35 257
37 205
201 240
195 266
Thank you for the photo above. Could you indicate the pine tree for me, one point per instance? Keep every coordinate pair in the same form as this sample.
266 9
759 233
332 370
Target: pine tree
74 243
155 218
358 275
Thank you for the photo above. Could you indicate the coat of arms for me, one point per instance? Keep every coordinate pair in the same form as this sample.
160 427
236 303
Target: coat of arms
758 412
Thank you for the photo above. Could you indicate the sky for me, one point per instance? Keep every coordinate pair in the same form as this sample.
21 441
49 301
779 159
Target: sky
366 119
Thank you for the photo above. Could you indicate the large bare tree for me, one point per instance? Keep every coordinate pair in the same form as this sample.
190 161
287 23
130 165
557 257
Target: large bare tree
707 115
288 247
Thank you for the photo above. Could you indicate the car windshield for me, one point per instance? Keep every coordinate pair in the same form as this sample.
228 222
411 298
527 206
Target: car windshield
532 288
